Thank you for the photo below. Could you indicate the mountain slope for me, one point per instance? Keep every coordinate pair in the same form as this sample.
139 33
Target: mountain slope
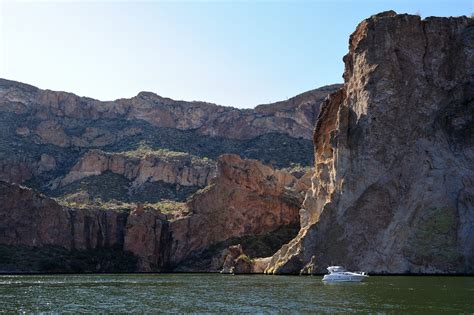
44 134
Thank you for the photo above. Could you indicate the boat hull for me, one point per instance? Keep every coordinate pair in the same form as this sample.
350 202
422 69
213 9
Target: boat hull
345 278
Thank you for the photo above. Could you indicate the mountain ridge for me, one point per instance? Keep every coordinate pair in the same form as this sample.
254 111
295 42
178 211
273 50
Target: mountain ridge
4 82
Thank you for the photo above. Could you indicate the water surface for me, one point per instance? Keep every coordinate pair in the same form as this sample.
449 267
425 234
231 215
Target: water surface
227 293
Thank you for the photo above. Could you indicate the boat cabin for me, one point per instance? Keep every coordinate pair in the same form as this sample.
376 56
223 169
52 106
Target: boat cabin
336 269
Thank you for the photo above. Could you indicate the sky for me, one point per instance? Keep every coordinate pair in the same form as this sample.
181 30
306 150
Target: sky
234 53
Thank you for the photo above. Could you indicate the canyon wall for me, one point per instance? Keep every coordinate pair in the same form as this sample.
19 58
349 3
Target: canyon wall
143 149
393 190
114 177
246 198
153 166
31 219
56 111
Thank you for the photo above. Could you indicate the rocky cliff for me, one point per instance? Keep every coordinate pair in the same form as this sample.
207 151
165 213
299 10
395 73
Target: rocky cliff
111 179
144 149
393 188
142 175
144 166
54 110
31 219
246 198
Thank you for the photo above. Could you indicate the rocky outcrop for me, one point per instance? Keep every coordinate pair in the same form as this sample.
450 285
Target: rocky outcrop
141 167
34 220
30 219
62 144
393 186
246 198
235 261
18 170
146 236
54 110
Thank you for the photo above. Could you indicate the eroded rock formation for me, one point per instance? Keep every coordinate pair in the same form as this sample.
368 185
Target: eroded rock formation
169 167
246 198
31 219
394 148
99 159
64 145
392 190
55 110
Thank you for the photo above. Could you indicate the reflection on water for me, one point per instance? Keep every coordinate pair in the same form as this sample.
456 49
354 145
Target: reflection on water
225 293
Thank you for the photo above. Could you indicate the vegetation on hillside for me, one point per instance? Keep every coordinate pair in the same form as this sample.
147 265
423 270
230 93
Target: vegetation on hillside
144 150
116 191
109 186
81 200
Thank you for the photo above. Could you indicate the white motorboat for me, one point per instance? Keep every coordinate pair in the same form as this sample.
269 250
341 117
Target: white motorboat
340 274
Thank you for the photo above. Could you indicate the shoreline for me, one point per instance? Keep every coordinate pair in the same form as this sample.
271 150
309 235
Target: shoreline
2 273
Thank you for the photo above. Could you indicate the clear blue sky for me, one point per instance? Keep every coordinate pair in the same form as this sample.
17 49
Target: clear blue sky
231 53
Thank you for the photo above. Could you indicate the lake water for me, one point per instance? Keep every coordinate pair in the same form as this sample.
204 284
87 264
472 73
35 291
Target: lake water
230 294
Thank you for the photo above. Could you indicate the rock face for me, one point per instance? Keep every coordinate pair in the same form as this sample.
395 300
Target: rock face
99 159
246 198
294 117
30 219
61 144
234 260
175 168
146 236
393 188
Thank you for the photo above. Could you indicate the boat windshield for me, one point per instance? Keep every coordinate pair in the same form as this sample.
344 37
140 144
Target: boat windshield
336 269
